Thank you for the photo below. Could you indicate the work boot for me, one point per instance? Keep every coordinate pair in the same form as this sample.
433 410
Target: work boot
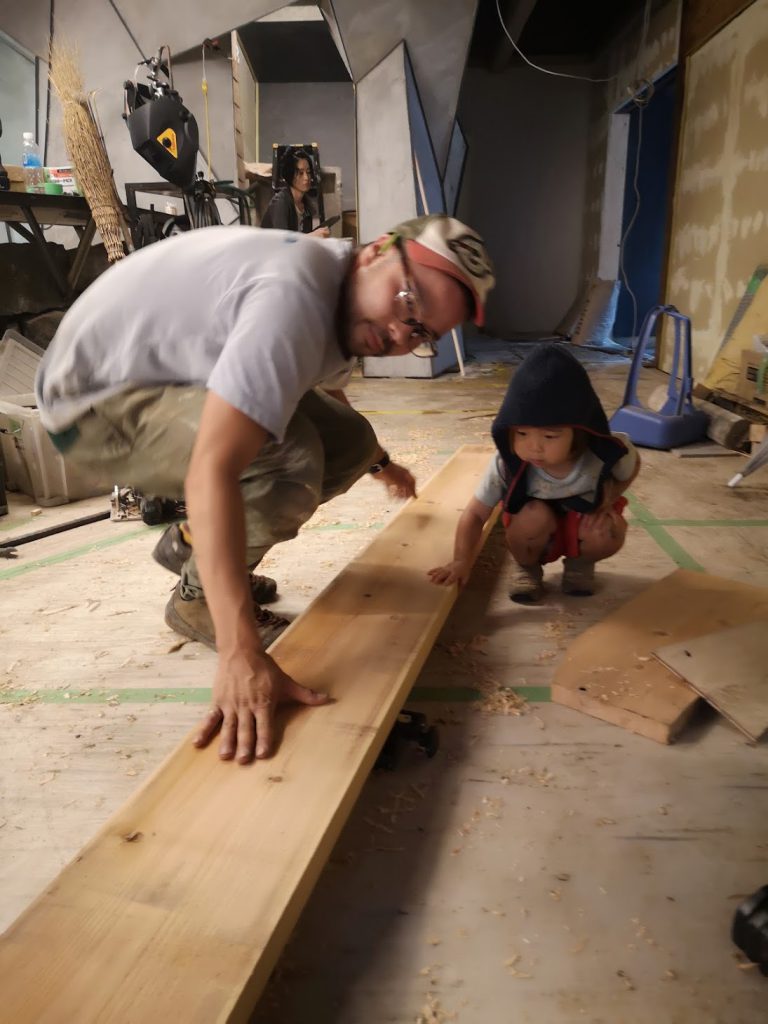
172 551
192 619
527 586
578 577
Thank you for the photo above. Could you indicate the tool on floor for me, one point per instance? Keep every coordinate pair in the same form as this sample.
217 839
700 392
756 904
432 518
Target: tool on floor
755 461
750 928
677 422
127 503
27 538
411 727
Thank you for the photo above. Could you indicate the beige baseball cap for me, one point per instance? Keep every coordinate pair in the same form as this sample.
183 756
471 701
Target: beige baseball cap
444 243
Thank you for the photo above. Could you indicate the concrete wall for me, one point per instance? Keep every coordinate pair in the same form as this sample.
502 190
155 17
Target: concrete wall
523 190
321 112
187 78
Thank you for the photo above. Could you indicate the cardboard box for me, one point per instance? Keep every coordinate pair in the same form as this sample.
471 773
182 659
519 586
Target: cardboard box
753 380
16 177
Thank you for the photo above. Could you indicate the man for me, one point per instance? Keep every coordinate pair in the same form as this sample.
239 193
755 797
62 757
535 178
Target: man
194 368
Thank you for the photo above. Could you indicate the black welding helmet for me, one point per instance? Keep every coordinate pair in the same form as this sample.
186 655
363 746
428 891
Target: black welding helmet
163 131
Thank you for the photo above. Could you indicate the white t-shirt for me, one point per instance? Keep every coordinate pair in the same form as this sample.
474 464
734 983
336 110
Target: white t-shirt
249 314
581 481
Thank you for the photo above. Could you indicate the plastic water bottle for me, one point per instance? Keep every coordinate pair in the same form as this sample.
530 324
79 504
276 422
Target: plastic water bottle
32 162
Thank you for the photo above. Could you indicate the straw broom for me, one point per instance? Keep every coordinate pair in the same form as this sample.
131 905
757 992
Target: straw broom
87 151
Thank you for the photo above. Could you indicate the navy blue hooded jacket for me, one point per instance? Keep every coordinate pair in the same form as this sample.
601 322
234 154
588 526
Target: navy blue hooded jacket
552 389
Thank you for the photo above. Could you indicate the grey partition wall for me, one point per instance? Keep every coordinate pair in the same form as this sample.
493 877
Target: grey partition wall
397 178
385 186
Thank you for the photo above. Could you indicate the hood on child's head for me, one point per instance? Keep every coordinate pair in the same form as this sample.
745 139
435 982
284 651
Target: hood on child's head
550 389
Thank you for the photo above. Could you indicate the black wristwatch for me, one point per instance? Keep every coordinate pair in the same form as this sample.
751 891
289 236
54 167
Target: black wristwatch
383 462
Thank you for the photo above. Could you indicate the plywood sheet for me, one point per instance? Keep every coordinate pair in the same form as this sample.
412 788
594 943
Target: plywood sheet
610 671
730 671
181 904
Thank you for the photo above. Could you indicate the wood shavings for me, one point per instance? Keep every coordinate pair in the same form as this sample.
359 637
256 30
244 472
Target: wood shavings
580 946
670 975
510 964
58 611
133 837
177 646
605 821
501 700
556 895
494 910
434 941
432 1012
628 983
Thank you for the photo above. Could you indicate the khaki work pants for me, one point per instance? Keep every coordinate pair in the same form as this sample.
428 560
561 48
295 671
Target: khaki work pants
143 439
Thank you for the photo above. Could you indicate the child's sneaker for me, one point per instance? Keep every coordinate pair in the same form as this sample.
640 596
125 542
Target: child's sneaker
578 577
527 586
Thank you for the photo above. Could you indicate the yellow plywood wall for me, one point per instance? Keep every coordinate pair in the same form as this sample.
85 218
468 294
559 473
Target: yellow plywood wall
720 204
625 62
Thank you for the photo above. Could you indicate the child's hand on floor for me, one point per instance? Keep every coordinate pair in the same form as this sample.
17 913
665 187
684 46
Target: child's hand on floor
454 572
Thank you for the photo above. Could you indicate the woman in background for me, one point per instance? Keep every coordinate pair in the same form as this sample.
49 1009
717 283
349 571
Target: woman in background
290 208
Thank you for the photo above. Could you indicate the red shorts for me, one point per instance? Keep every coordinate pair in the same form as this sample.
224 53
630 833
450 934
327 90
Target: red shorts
564 542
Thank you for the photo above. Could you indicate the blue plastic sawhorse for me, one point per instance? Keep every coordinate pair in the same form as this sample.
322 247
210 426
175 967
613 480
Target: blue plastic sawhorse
677 423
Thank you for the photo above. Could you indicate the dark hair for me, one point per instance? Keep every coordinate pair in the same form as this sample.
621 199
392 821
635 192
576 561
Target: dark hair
289 163
580 442
469 300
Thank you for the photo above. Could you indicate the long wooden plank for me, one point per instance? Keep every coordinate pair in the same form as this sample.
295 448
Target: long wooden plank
729 669
609 671
181 904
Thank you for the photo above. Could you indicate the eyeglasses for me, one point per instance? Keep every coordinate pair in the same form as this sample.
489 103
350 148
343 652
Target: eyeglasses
408 311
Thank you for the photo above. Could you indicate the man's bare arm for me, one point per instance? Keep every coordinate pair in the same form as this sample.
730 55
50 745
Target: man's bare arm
248 684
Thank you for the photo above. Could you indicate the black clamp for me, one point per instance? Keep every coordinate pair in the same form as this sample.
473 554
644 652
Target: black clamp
411 727
750 928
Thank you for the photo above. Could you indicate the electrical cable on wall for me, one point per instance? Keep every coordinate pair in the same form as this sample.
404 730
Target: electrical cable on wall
641 92
641 100
537 67
204 86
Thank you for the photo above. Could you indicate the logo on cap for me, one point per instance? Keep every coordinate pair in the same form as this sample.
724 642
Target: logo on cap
470 252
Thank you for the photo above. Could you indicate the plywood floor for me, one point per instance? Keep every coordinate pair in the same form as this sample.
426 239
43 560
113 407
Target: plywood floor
544 867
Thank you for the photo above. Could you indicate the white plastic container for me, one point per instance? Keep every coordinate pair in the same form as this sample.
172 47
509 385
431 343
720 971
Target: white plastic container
32 463
19 360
